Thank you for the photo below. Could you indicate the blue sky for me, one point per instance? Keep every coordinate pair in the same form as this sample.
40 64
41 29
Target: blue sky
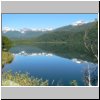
19 21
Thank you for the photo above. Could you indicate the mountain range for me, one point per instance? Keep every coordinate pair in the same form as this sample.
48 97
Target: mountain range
47 34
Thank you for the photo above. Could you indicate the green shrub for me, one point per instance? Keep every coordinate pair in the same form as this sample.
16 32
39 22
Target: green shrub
21 79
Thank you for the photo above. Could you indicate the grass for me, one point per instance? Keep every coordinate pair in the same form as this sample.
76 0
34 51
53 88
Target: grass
7 57
24 79
21 79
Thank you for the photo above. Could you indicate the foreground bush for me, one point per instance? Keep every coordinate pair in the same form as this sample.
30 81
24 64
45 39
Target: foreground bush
20 79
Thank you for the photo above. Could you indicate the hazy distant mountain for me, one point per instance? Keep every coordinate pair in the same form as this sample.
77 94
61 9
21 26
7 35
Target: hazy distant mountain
22 34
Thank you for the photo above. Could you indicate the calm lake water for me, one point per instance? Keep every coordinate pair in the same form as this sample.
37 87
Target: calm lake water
48 63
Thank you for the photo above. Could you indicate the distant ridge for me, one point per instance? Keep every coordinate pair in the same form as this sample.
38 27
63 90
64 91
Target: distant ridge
42 34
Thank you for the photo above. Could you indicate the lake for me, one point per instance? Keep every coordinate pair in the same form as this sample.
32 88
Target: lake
55 62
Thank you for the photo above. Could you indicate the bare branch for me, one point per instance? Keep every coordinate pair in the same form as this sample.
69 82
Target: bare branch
84 38
93 52
91 46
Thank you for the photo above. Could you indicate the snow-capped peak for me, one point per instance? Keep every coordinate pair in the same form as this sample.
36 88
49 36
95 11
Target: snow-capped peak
24 30
42 29
80 22
6 29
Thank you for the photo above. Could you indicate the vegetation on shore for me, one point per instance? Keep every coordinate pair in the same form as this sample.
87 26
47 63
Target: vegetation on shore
24 79
7 57
21 79
6 43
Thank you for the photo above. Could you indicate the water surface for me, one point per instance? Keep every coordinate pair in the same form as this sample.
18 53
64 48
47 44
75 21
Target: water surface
51 64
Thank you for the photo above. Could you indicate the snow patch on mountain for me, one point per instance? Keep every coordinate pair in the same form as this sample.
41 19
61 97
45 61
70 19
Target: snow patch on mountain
24 30
80 22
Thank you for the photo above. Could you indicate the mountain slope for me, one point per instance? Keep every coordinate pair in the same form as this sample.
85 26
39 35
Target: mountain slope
59 34
13 35
67 33
76 28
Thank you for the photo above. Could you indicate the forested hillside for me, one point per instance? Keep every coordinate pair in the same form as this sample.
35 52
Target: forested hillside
84 40
70 33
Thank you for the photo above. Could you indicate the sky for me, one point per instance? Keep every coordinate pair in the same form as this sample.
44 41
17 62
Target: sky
19 21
